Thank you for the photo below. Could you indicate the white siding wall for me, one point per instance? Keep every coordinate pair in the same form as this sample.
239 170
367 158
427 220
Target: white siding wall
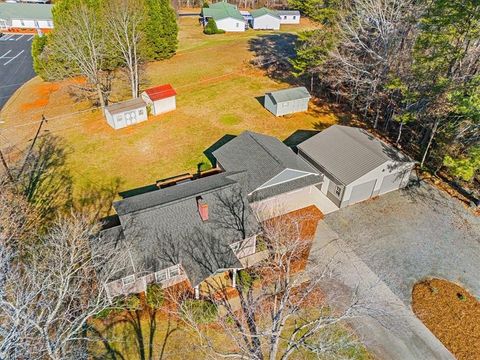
289 19
25 24
164 105
379 173
269 105
266 22
45 24
293 106
231 25
119 121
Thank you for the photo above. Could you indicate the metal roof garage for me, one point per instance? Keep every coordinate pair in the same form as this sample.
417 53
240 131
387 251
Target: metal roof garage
356 165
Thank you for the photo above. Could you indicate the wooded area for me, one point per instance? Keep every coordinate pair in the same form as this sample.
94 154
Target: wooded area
409 69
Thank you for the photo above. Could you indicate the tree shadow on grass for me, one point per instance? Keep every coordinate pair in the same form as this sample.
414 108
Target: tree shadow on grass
272 53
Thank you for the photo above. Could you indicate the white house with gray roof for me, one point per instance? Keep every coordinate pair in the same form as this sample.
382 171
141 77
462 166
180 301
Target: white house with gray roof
287 101
187 232
355 164
289 16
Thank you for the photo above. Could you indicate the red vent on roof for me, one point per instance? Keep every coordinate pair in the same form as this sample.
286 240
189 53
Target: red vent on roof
202 208
161 92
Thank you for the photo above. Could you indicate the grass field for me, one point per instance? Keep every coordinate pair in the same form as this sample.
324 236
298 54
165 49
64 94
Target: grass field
219 93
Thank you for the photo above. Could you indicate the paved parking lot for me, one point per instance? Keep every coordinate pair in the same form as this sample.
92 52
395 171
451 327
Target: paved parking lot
15 63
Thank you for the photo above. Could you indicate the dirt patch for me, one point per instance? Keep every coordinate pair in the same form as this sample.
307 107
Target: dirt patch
451 314
42 93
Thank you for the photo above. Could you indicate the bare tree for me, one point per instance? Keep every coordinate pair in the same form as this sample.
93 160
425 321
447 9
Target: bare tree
283 312
48 295
124 19
82 42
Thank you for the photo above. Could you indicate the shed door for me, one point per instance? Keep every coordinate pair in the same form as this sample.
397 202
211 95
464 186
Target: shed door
362 191
391 182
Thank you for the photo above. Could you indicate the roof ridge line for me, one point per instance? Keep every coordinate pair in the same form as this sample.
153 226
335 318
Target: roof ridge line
358 142
263 147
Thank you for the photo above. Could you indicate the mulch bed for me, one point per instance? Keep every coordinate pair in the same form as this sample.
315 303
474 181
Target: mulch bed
451 314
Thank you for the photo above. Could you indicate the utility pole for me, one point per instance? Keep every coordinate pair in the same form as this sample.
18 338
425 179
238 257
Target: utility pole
32 145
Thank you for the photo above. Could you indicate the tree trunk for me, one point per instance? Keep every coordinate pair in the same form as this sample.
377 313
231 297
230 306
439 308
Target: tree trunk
430 140
101 98
399 133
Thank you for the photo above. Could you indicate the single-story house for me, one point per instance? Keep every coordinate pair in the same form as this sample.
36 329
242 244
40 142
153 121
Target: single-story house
226 16
126 113
289 16
160 99
287 101
187 232
356 165
265 19
21 16
273 169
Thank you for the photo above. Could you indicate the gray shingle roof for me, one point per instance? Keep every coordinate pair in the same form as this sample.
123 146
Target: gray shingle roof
163 227
127 105
262 156
289 94
348 153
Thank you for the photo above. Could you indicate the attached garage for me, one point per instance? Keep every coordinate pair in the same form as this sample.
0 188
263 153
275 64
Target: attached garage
356 165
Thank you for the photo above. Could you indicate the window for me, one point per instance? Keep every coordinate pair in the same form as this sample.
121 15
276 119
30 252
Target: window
285 17
174 271
127 280
294 17
338 190
22 23
238 25
119 117
161 276
140 112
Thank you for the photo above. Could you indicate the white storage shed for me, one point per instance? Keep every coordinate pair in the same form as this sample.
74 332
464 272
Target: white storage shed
160 99
126 113
287 101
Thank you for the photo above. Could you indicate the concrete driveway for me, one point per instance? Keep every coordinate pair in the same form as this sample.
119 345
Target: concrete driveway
408 235
15 64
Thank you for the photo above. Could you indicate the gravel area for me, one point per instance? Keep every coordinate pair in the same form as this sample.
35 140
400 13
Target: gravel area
409 235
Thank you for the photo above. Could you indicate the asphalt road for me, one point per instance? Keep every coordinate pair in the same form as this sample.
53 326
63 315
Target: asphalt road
15 64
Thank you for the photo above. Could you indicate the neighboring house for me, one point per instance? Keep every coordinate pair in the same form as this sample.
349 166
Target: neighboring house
226 16
287 101
24 17
191 231
273 169
126 113
356 165
160 99
265 19
289 16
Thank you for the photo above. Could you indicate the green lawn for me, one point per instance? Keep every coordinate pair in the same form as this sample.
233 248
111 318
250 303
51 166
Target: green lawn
219 93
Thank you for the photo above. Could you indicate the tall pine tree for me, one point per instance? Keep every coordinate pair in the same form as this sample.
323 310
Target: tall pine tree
160 30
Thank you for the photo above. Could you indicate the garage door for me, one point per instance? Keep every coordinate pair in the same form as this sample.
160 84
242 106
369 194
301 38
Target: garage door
391 182
362 192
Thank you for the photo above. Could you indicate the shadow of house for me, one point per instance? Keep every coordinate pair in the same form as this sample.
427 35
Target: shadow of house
272 53
217 145
138 191
298 137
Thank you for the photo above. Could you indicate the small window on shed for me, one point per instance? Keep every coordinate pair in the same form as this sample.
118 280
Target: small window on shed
140 112
119 117
238 24
294 17
285 17
338 190
161 276
127 280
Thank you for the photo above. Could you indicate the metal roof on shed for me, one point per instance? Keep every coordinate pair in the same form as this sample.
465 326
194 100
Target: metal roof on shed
288 12
161 92
348 153
123 106
289 94
9 11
